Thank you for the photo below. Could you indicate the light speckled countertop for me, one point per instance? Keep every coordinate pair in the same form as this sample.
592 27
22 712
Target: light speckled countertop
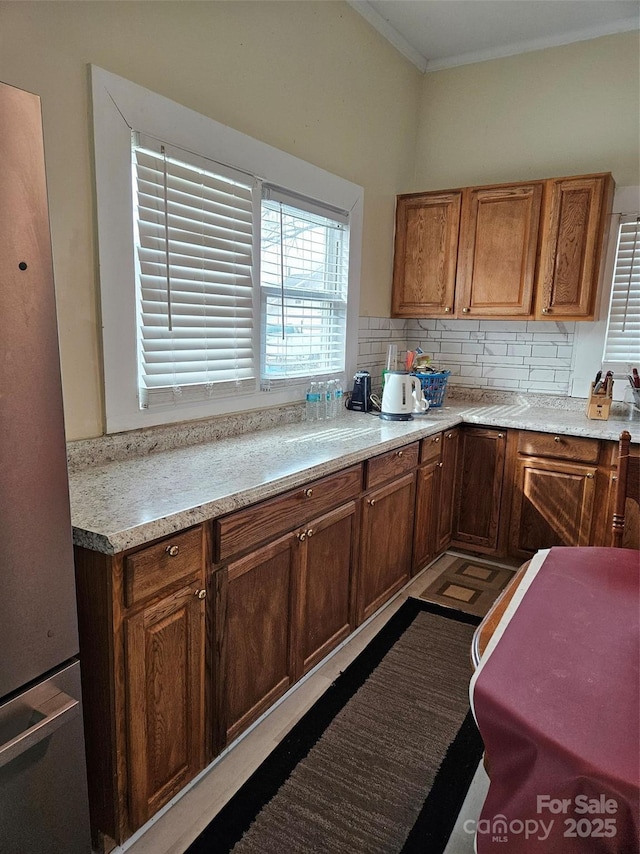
120 504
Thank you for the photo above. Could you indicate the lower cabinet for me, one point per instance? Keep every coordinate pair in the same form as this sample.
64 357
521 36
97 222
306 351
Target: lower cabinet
164 700
256 600
479 479
327 559
447 486
386 543
141 620
553 505
278 611
553 496
425 532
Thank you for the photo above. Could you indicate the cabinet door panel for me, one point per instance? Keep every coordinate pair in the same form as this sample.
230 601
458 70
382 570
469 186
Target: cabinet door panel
450 443
258 665
426 247
425 532
498 246
479 488
553 505
165 672
576 222
327 558
387 540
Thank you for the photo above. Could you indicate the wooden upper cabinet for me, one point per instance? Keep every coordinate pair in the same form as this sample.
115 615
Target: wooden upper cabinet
575 228
426 248
497 254
521 251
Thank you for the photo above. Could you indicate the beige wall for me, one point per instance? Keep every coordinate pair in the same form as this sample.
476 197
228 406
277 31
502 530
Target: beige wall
562 111
312 78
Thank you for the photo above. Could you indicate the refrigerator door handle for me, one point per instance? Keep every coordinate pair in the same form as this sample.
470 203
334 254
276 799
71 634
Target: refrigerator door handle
57 711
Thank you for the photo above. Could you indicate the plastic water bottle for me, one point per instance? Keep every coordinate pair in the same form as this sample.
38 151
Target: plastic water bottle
338 393
313 402
322 400
331 399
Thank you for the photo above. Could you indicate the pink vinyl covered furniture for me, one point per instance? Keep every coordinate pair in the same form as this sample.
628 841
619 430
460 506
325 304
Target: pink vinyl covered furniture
556 697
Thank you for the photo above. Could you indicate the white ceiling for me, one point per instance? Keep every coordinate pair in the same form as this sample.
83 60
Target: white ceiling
437 34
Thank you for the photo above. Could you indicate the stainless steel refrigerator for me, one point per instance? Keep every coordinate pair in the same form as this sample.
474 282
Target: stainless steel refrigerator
43 789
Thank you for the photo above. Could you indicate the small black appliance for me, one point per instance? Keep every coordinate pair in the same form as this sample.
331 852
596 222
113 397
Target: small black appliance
360 400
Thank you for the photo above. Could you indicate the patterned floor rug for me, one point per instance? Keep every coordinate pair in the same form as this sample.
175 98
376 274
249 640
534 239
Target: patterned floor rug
468 584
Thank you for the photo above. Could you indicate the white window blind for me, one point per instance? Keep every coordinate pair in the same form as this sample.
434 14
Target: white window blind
304 287
194 238
622 343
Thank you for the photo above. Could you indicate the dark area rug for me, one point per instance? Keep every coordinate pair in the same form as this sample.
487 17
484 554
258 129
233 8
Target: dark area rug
380 764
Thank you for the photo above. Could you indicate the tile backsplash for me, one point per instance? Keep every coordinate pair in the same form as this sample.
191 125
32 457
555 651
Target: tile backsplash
519 355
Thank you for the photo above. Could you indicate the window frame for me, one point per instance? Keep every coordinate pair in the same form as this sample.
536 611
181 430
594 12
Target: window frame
120 106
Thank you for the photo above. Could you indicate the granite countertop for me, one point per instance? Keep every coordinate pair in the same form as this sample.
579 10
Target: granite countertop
125 503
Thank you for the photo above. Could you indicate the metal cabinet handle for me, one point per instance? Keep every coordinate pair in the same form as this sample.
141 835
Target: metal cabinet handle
399 453
437 439
310 532
556 438
371 501
449 435
172 551
500 435
466 310
308 492
590 475
440 465
302 536
546 310
201 594
447 309
58 711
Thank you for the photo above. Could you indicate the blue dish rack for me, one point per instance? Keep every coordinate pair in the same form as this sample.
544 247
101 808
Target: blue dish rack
434 387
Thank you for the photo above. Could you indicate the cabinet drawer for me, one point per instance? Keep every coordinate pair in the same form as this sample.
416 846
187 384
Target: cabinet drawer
431 448
246 528
390 465
150 570
559 446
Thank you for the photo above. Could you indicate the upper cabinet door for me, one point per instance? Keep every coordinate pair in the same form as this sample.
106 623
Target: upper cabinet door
426 247
575 227
497 255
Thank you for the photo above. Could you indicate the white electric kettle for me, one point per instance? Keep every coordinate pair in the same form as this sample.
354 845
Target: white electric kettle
402 396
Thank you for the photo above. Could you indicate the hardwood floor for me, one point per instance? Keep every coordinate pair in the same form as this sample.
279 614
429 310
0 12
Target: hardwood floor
175 827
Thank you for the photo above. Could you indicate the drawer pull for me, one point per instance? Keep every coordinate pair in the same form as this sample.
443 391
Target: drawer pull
500 435
447 309
172 551
308 492
302 536
546 310
449 435
201 594
399 454
371 501
466 310
590 475
437 439
310 532
556 438
440 465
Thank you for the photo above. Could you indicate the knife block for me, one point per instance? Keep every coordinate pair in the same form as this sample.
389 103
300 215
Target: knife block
599 405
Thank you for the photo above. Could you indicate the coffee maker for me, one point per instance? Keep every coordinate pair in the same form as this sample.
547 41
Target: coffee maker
360 400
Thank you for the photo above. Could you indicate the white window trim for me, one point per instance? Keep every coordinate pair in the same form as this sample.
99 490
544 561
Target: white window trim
119 106
590 337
